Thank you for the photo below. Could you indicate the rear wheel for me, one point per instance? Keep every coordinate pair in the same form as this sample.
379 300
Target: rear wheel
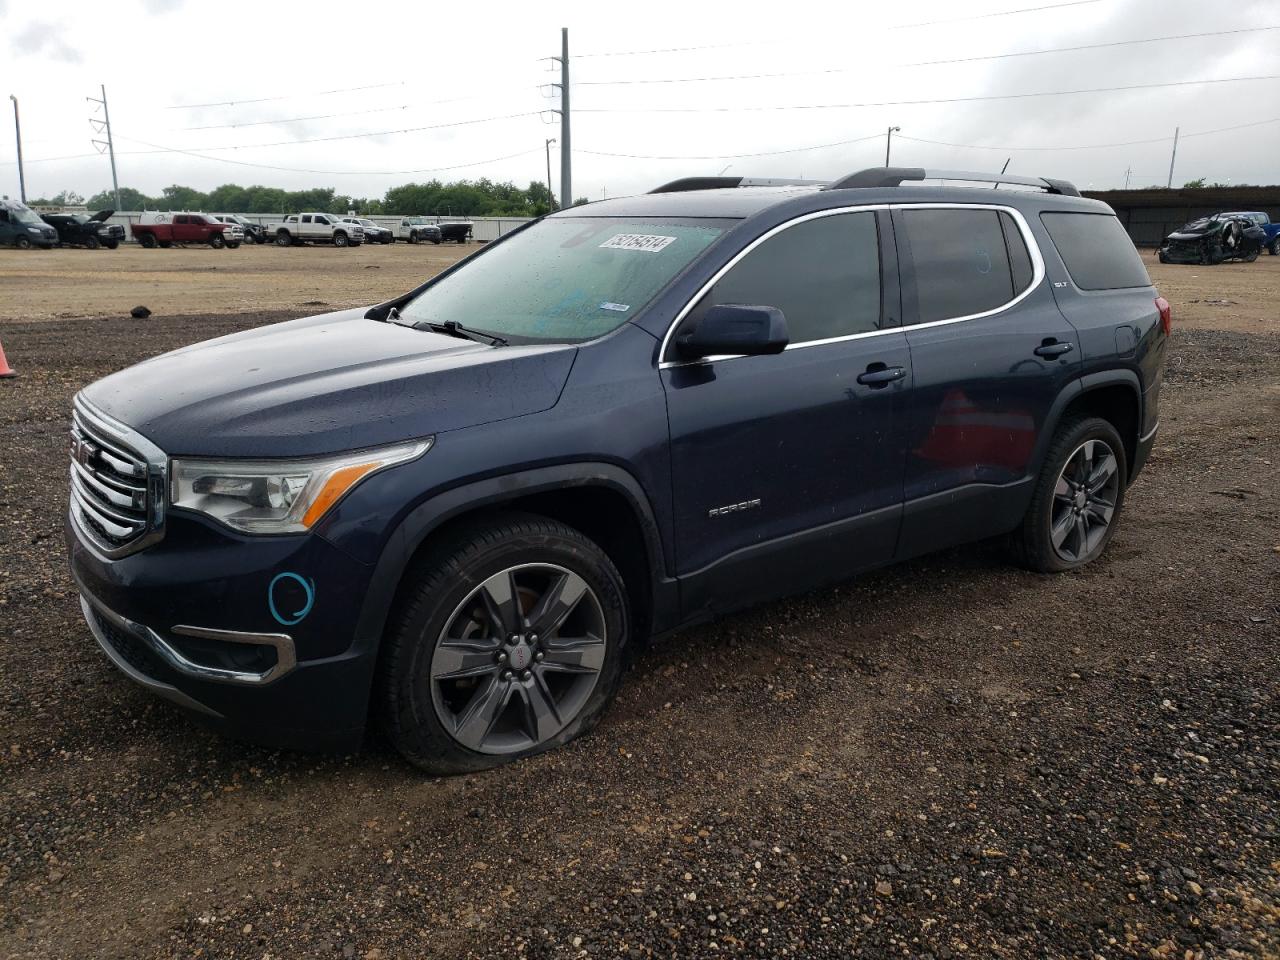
283 239
149 241
1077 499
1274 247
508 641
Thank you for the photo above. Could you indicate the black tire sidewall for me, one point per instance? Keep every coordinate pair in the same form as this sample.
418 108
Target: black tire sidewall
412 721
1036 546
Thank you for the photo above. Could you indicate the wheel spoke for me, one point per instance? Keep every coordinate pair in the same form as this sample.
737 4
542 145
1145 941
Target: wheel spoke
1082 536
1062 490
475 723
1061 527
577 655
456 660
1103 470
502 603
538 712
560 600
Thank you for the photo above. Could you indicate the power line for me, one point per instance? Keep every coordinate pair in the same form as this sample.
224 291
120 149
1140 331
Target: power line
731 156
912 103
998 13
1090 146
284 96
923 63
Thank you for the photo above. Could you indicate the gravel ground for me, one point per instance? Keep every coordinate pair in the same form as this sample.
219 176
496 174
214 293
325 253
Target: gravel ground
949 758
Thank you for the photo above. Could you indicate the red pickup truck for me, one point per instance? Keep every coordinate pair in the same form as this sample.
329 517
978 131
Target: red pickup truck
166 229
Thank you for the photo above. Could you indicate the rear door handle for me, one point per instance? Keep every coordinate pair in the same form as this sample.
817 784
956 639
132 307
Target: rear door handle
1051 348
878 375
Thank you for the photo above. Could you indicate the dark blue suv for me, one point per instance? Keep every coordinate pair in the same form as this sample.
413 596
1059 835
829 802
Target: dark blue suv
461 510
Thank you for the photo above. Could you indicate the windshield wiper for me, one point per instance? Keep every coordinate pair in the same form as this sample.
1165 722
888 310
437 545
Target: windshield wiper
454 329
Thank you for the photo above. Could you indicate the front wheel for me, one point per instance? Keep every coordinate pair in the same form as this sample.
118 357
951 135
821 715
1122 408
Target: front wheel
413 237
1251 256
339 239
1077 499
111 244
217 241
233 245
23 243
508 640
1164 257
92 243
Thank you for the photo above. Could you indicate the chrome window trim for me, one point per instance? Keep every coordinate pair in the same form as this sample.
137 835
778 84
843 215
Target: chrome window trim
1024 228
107 428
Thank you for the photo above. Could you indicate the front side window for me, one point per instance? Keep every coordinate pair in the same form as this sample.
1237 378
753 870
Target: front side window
823 274
565 279
961 261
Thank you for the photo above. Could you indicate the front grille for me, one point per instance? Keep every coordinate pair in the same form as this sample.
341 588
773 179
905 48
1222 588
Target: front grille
110 486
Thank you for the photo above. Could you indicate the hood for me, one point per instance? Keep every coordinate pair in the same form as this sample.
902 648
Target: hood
325 384
102 216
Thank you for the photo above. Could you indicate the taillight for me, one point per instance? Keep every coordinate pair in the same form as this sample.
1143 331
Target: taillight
1166 315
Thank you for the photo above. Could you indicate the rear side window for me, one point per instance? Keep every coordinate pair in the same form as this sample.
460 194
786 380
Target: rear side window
1098 253
823 274
962 262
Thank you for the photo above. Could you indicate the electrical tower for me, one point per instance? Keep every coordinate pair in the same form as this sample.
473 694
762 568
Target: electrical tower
101 126
566 157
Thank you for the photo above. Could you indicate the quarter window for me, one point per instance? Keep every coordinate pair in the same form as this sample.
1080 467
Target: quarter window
962 263
823 274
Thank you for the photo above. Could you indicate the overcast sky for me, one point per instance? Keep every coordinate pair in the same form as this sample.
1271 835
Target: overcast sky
443 65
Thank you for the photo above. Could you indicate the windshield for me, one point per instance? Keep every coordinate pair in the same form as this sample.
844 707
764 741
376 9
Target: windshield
24 214
566 279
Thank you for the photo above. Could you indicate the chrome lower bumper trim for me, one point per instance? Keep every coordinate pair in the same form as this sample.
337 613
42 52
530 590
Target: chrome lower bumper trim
170 693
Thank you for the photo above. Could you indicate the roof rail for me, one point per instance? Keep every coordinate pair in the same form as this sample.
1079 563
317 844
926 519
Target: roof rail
716 183
893 177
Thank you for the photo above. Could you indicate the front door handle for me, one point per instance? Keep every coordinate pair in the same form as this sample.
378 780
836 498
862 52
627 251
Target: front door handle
1052 348
879 375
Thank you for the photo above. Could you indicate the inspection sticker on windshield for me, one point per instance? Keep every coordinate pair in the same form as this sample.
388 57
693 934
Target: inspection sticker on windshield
637 241
616 307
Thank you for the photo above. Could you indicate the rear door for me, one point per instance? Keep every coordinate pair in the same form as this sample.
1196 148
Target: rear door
787 469
990 352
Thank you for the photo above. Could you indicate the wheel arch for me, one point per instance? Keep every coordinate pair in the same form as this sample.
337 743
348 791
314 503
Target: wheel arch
1114 395
603 501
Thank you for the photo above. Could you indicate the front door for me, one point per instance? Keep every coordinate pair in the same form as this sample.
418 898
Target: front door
991 352
787 469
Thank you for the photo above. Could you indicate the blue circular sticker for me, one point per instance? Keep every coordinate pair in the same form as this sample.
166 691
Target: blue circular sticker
308 590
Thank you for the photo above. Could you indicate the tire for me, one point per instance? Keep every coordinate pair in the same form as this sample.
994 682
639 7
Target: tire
22 243
1273 247
111 244
283 239
217 241
233 245
149 241
339 239
166 244
1163 257
1049 539
436 241
1251 256
456 592
92 243
413 236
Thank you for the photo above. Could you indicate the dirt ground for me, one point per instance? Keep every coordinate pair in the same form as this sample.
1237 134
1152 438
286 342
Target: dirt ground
62 283
951 758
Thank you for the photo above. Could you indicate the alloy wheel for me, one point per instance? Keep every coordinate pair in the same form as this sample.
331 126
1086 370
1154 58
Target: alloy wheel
518 659
1084 501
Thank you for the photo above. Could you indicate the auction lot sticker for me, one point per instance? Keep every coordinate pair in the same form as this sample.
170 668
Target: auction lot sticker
637 241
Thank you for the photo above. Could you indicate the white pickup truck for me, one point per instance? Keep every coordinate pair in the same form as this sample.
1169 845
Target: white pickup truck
300 228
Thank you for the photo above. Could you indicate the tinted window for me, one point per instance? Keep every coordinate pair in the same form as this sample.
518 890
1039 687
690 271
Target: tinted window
823 274
1019 258
961 262
1098 253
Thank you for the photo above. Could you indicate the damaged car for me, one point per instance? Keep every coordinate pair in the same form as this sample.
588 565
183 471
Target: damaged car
1214 239
81 230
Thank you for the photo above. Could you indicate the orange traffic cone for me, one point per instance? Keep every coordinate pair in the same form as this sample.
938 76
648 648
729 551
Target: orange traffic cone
5 369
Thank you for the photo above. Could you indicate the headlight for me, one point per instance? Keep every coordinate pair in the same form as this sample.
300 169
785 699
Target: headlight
35 229
279 496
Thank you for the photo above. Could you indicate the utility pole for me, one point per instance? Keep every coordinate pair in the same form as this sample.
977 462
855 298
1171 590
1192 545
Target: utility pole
888 141
100 126
551 197
1128 172
1176 131
566 157
17 126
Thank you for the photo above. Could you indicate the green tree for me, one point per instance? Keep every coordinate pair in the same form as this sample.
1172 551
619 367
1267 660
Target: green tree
1197 184
176 197
229 198
130 199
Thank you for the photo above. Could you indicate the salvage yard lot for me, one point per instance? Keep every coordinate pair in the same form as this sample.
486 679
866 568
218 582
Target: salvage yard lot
949 758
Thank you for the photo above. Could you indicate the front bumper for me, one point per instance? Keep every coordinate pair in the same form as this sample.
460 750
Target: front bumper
203 619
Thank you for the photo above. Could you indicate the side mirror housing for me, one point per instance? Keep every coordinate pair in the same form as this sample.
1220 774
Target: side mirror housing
735 330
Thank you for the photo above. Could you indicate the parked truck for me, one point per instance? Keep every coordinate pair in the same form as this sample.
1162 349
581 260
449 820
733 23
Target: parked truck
166 229
298 228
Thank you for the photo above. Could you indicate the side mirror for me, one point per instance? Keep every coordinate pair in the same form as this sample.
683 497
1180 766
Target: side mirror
735 330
